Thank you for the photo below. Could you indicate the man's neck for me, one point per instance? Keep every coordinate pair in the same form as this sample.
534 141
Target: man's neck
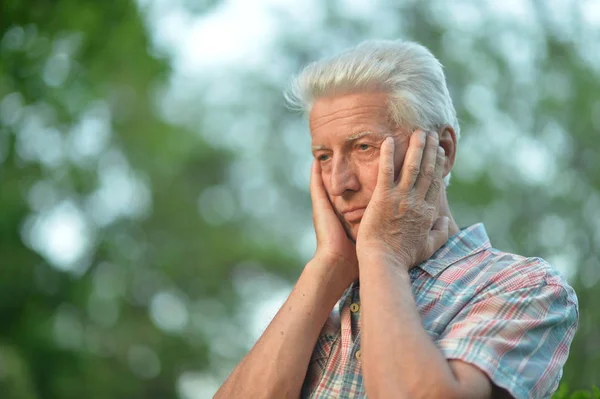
445 211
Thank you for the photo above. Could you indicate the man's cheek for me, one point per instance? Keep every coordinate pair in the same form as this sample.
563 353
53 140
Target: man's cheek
326 183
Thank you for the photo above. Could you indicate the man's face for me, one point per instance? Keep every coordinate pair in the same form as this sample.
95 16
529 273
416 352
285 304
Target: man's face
347 132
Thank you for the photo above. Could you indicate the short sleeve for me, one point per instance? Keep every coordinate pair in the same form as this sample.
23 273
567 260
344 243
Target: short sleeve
519 337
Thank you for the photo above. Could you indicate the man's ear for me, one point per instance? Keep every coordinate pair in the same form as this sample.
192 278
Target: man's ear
448 143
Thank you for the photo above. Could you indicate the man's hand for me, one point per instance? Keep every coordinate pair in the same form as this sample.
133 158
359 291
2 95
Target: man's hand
402 219
333 245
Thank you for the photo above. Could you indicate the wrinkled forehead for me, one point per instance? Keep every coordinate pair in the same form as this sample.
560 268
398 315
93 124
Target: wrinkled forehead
351 116
350 109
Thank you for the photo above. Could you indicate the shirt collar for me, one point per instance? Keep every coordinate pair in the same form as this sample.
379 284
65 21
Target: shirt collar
466 242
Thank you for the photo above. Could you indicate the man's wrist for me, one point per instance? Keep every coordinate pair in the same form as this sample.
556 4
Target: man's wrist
334 273
377 257
377 270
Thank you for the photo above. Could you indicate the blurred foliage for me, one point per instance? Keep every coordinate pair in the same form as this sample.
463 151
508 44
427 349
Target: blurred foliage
563 393
142 208
83 328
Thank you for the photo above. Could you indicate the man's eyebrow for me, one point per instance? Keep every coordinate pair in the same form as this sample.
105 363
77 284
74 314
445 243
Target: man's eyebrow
358 135
348 139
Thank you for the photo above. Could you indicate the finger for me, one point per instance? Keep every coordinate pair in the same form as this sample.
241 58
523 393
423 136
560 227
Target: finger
428 165
318 195
438 235
385 177
433 194
319 199
412 161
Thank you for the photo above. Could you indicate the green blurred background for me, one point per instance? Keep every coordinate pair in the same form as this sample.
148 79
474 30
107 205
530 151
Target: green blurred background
154 207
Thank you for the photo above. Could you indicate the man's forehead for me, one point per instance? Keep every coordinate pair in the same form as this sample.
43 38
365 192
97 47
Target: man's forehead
350 117
348 106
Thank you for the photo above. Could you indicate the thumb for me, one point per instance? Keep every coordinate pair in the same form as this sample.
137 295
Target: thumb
321 206
318 195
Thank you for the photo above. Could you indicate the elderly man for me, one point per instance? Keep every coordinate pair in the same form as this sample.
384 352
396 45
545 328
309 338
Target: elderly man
427 310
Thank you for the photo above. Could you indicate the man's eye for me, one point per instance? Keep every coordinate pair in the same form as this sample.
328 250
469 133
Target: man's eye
364 147
323 157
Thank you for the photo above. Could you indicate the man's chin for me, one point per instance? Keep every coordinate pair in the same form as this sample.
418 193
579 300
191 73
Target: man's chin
351 230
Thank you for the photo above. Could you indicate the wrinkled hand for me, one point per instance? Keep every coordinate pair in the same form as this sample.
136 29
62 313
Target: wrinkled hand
402 219
333 245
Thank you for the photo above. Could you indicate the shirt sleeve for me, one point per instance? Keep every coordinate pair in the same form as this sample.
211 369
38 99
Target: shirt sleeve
519 337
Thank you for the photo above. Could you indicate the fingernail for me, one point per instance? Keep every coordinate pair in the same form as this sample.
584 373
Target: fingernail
436 135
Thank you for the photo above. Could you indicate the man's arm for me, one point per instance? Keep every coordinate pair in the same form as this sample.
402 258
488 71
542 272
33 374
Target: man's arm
399 358
276 366
398 232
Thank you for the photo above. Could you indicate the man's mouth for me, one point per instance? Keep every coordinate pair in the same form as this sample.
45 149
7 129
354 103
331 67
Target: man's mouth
353 215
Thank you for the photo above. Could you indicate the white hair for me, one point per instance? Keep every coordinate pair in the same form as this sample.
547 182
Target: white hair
407 71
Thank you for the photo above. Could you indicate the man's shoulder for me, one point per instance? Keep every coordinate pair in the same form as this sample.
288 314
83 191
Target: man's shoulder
513 272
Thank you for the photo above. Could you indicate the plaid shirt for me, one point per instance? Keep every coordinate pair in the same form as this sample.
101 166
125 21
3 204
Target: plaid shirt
512 317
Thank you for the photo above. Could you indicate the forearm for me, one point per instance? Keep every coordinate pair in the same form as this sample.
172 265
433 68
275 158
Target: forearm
399 358
277 364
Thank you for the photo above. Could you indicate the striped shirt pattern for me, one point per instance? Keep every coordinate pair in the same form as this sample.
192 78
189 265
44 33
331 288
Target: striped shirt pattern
512 317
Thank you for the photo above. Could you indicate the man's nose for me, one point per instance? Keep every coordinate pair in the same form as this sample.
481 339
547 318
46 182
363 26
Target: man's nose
343 177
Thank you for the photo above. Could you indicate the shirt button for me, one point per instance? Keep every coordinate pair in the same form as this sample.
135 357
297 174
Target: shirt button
357 354
354 307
